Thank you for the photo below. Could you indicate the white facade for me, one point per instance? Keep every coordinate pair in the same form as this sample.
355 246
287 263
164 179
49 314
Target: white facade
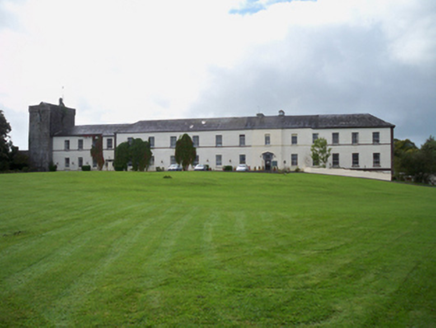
289 148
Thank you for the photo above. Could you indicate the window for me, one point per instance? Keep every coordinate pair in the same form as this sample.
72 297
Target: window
173 160
267 139
294 139
67 144
151 142
196 141
315 162
242 140
335 138
376 137
109 143
218 160
376 159
196 160
242 159
219 141
355 138
314 137
173 141
294 159
80 161
152 160
80 144
67 162
335 160
355 160
94 163
129 140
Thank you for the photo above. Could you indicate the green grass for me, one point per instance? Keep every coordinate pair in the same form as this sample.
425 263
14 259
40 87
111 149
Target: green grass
115 249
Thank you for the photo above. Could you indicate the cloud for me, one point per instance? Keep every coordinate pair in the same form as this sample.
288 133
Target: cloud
381 63
249 7
124 61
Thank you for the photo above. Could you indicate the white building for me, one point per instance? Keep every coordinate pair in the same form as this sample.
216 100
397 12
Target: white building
358 141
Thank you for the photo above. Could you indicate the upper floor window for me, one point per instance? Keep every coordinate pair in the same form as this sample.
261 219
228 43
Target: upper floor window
294 159
242 140
67 144
355 158
196 141
355 138
376 159
151 142
218 140
294 139
267 139
80 144
335 138
376 137
173 141
241 159
335 160
315 136
109 143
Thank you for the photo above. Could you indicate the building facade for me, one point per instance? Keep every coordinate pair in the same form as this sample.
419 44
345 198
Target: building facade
358 141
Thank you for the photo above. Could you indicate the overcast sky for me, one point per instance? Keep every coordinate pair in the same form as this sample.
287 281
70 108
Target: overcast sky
121 61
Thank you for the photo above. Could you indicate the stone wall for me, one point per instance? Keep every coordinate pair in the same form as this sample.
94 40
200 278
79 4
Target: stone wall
44 121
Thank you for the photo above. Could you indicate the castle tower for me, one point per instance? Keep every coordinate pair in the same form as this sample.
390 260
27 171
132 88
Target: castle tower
44 121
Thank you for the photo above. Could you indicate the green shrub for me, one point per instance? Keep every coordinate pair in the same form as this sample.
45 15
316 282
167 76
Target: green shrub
86 167
119 167
227 168
52 167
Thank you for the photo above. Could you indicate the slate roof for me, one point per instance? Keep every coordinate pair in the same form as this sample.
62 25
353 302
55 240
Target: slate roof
234 123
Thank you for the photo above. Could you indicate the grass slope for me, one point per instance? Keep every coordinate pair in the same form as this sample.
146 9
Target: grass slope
210 248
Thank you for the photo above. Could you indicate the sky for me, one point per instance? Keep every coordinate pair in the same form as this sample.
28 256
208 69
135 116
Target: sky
122 61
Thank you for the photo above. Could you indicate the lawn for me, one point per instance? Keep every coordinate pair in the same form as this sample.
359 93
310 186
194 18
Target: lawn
114 249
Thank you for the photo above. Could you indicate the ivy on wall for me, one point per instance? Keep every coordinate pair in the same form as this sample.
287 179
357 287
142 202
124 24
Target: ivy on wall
97 150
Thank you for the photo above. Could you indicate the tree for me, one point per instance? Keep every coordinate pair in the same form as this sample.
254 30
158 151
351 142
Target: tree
137 152
5 144
122 156
404 157
320 152
185 151
410 161
140 154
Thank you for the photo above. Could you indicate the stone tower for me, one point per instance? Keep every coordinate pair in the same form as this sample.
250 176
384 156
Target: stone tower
44 121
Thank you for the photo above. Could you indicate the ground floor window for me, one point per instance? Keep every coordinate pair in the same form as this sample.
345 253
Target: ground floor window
294 159
152 160
94 163
173 160
67 162
355 158
335 160
218 160
196 160
80 161
376 159
242 159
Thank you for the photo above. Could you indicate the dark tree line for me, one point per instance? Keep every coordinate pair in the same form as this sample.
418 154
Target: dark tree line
10 157
416 163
